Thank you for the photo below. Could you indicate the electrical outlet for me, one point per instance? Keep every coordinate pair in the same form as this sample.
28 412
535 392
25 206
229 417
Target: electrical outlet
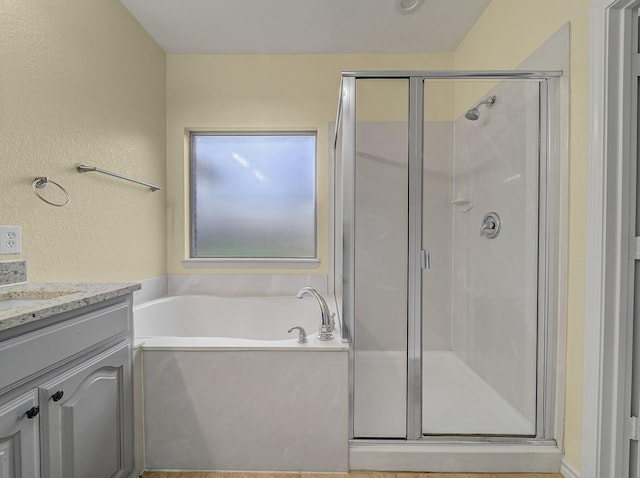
10 239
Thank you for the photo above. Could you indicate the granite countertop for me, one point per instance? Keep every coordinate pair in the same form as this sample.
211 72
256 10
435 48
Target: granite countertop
45 299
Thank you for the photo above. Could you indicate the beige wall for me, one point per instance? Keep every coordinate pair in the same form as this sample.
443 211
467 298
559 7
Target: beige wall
507 32
81 82
246 92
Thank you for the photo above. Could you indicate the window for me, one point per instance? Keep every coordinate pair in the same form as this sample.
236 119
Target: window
253 195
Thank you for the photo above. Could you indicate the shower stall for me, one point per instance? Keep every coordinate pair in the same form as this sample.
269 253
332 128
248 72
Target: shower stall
446 252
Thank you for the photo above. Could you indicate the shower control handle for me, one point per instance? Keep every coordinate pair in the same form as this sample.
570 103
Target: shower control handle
490 227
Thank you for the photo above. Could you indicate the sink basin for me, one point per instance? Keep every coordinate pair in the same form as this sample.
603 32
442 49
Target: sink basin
10 303
21 298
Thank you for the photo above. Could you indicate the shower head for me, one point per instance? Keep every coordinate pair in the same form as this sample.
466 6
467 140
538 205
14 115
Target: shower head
473 114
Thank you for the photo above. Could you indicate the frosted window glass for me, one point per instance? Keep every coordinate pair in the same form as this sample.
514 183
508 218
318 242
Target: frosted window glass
253 196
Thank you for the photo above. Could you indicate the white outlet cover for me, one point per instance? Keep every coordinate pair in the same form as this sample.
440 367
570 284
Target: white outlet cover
10 239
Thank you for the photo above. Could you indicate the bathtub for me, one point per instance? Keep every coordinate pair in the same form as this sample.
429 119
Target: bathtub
203 321
226 388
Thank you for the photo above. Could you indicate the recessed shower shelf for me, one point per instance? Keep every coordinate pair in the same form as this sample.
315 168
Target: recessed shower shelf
465 204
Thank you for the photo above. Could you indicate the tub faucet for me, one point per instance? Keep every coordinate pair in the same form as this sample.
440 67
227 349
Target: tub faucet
326 319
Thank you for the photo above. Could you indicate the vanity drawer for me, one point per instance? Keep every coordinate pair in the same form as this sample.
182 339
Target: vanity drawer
24 356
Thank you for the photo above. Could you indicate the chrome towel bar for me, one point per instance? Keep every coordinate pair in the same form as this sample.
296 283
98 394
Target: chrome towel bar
81 168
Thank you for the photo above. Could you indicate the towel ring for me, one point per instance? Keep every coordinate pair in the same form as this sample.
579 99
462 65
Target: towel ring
41 182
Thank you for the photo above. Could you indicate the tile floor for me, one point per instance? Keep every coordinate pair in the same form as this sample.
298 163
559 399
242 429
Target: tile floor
156 474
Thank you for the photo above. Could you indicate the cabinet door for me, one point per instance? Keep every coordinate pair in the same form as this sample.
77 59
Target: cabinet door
19 448
87 430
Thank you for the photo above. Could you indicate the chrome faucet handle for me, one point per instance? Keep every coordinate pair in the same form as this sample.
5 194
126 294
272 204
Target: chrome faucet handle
302 335
490 227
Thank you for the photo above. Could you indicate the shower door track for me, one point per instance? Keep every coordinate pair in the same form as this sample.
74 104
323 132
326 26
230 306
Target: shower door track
455 440
547 249
453 74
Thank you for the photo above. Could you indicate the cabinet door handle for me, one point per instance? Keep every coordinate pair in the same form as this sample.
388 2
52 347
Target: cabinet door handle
57 396
32 412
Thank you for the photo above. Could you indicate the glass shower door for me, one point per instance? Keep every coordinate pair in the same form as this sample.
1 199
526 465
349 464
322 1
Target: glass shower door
480 230
380 257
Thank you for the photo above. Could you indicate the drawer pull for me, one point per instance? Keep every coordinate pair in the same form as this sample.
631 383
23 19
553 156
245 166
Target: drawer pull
56 397
33 412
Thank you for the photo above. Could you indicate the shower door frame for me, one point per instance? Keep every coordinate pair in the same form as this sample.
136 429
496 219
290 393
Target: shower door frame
548 243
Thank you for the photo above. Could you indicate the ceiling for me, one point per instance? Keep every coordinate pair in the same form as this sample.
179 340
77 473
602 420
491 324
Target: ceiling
305 26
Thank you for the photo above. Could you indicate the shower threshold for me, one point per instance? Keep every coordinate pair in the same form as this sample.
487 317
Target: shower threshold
455 457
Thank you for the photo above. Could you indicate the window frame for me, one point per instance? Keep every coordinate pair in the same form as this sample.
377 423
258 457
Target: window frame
248 262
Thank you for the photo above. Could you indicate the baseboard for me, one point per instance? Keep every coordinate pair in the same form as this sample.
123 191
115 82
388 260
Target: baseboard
567 471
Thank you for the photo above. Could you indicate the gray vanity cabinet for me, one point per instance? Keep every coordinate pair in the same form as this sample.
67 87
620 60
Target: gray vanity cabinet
19 446
66 396
85 416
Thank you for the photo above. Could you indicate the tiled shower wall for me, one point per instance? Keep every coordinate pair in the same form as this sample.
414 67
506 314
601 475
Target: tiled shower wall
494 286
437 234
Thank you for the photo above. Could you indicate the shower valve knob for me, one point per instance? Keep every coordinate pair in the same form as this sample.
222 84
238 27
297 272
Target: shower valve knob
490 227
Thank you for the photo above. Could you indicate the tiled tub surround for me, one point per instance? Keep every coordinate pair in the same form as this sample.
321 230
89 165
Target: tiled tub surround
243 285
228 285
243 399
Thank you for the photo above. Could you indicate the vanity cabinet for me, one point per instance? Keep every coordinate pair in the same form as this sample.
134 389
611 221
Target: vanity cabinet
84 414
69 410
19 445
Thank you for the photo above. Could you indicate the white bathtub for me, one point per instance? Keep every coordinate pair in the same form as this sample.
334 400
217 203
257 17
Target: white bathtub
253 318
227 388
230 322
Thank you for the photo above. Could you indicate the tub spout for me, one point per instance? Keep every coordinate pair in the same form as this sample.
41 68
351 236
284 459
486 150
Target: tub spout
326 319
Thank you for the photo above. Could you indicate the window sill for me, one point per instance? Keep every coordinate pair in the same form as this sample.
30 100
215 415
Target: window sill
251 263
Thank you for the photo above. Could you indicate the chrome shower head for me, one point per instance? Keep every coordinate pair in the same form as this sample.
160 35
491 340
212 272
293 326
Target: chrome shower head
473 114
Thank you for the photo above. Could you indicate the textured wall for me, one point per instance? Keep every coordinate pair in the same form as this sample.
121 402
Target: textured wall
81 82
